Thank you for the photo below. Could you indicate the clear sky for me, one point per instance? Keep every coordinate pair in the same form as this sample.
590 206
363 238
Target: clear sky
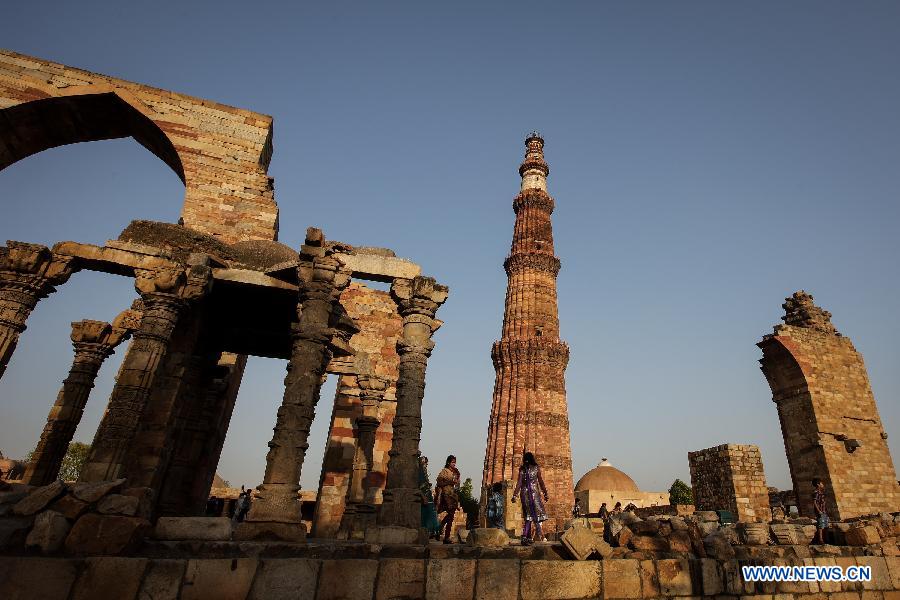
707 160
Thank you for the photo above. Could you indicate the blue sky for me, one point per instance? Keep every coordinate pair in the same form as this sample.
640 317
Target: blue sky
707 160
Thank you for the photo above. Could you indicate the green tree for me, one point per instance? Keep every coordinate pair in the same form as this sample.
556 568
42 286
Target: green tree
680 493
72 462
468 502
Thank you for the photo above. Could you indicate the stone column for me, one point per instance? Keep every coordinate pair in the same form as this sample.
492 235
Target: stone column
28 272
321 281
94 341
359 511
166 292
418 300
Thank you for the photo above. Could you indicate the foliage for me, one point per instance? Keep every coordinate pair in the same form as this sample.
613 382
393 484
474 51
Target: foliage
468 502
73 461
680 493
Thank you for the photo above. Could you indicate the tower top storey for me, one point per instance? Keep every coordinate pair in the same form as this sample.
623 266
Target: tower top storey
534 168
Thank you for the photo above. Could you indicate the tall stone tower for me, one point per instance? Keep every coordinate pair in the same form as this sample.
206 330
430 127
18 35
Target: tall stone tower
529 411
828 416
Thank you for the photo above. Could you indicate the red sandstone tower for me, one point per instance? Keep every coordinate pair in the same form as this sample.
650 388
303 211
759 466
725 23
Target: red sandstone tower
529 411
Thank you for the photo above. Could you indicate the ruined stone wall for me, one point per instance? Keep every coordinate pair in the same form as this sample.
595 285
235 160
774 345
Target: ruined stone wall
828 415
221 153
375 313
730 477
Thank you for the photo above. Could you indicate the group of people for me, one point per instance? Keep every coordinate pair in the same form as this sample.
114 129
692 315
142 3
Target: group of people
215 506
530 490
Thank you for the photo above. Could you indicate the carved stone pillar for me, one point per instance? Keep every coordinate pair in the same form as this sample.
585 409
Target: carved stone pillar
321 280
418 300
28 272
165 292
94 341
359 512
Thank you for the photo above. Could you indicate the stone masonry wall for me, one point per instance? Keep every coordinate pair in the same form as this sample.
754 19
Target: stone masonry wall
441 578
828 416
221 153
730 477
375 313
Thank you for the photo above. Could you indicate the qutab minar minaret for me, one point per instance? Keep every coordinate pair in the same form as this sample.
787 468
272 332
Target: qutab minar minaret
529 411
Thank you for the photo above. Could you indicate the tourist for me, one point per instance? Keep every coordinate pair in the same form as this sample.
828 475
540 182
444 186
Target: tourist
631 507
447 495
577 513
617 509
495 507
243 505
604 512
821 512
529 484
429 515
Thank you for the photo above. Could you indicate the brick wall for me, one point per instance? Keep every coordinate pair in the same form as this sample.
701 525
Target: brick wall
730 477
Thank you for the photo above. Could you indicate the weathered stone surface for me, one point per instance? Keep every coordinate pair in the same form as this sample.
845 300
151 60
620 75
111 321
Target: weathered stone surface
103 535
347 579
223 579
91 492
730 477
13 531
12 496
36 578
679 541
117 504
675 578
623 538
786 534
754 534
582 543
285 579
649 579
193 528
110 577
392 534
39 498
163 580
649 543
707 516
269 531
862 536
717 546
449 580
400 578
487 537
552 579
49 532
70 507
621 578
497 579
713 584
647 527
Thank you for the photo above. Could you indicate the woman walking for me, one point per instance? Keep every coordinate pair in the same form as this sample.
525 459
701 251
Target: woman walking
529 483
429 516
447 495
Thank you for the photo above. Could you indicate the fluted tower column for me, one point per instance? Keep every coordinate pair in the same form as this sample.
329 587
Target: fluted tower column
529 411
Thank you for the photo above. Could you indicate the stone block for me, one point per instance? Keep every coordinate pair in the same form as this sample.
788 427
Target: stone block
111 578
49 532
712 576
393 534
13 531
881 575
558 579
582 543
649 543
787 534
680 541
222 579
163 580
621 578
675 578
754 534
862 536
285 579
707 516
269 531
117 504
36 578
488 537
103 535
193 528
623 537
70 507
708 527
93 491
12 496
349 579
400 578
497 579
717 546
893 565
649 527
450 579
649 579
39 498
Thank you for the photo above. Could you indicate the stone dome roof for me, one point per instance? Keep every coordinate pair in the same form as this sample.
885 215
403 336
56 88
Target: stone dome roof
606 477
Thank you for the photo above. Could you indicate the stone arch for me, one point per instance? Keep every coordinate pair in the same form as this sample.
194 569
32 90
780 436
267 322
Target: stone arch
31 127
783 371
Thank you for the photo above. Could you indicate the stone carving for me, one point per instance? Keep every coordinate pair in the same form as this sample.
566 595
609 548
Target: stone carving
93 341
418 300
28 273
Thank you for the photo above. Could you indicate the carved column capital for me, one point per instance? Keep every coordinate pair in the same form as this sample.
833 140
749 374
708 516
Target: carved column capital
34 266
173 283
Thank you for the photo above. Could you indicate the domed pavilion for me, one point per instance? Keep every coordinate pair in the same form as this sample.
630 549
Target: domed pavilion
605 483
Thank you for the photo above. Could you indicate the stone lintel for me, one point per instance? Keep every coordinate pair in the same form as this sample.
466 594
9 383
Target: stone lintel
116 261
250 277
376 267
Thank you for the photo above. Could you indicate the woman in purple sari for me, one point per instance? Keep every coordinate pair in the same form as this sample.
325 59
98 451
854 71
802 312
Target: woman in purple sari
531 485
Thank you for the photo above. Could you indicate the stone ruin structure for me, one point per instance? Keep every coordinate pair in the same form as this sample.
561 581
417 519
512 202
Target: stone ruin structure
730 477
828 415
529 410
168 414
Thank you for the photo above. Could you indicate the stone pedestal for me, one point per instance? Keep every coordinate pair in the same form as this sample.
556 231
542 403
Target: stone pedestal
165 291
418 300
28 272
94 341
